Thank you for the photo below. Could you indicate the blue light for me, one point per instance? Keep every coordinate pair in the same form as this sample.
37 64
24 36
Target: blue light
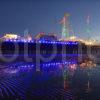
54 42
40 42
46 42
25 41
32 65
21 40
14 40
18 40
43 41
29 41
48 64
10 40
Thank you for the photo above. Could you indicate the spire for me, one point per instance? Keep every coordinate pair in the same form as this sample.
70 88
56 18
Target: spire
88 29
65 25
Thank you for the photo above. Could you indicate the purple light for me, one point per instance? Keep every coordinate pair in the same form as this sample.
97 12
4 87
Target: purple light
43 41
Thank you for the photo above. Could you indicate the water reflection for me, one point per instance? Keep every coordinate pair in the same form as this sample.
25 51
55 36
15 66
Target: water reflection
88 85
55 81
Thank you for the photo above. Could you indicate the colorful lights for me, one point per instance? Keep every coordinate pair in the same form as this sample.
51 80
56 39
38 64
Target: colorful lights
58 63
11 36
26 66
42 65
65 24
11 70
43 42
90 42
73 67
58 42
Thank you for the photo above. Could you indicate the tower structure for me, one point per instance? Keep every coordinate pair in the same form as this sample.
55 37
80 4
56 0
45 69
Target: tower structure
65 27
88 28
90 40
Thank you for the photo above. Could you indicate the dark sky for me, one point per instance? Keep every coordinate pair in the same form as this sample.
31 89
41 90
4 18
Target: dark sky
44 15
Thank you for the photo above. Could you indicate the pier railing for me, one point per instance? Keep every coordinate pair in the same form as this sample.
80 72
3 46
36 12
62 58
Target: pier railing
45 49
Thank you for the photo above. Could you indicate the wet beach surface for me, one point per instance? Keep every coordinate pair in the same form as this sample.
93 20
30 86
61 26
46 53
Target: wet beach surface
53 82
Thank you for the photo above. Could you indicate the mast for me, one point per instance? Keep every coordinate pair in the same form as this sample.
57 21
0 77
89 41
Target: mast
88 29
65 27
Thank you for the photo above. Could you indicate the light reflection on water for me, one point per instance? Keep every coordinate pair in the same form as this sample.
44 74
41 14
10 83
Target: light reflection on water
55 81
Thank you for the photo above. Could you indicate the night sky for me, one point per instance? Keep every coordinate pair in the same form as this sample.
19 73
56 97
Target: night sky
44 15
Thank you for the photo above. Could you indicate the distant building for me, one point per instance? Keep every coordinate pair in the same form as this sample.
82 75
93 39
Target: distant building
10 36
43 36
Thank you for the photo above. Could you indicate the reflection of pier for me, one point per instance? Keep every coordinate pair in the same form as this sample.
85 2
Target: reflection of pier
48 48
96 53
34 49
